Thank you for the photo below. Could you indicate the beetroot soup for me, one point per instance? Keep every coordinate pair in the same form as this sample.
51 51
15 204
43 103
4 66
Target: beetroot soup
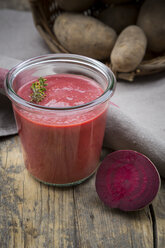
62 132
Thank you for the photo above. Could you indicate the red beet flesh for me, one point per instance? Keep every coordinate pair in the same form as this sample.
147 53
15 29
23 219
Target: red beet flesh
127 180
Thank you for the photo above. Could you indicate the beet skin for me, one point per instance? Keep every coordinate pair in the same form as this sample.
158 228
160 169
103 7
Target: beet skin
127 180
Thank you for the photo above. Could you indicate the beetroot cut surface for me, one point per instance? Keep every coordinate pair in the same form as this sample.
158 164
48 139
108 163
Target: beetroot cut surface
127 180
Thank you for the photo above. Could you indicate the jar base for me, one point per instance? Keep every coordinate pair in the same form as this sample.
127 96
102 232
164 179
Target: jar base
66 184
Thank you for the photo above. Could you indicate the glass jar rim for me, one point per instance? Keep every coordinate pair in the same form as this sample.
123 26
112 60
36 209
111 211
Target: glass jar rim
82 60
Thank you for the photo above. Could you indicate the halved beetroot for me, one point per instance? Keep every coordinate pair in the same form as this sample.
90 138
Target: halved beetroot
127 180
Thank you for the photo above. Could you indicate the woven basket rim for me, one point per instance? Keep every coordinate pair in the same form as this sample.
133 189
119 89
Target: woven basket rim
42 24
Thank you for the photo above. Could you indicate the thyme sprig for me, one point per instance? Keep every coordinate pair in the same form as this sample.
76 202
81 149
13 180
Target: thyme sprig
38 89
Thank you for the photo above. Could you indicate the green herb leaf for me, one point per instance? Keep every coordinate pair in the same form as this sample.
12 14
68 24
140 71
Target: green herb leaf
38 89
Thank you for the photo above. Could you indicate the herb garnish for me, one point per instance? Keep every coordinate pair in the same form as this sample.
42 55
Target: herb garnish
38 88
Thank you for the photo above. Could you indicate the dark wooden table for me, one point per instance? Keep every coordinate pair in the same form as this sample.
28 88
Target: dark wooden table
33 215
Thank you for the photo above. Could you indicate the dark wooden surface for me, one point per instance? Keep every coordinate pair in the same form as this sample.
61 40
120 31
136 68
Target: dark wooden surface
33 215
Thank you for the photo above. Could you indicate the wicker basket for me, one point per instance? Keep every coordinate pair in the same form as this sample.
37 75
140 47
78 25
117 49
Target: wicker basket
44 14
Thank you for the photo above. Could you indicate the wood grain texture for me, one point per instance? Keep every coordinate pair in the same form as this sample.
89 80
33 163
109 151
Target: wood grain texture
159 208
101 227
34 215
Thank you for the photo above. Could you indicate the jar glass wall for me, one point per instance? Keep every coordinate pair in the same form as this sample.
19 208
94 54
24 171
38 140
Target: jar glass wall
61 145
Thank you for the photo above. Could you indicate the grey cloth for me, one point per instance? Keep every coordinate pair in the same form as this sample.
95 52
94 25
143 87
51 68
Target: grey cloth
19 40
8 62
138 123
18 35
7 121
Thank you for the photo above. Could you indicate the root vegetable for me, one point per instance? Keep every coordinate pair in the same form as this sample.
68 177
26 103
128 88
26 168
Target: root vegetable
129 49
74 5
84 35
127 180
119 16
152 20
116 1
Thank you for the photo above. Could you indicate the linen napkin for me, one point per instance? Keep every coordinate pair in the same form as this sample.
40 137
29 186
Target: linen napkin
18 36
7 122
137 123
19 40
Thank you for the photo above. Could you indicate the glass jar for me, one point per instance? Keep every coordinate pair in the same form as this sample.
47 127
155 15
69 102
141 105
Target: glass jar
61 145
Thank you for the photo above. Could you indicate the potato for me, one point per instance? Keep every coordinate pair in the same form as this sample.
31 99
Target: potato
129 49
74 5
116 1
152 20
84 35
119 16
